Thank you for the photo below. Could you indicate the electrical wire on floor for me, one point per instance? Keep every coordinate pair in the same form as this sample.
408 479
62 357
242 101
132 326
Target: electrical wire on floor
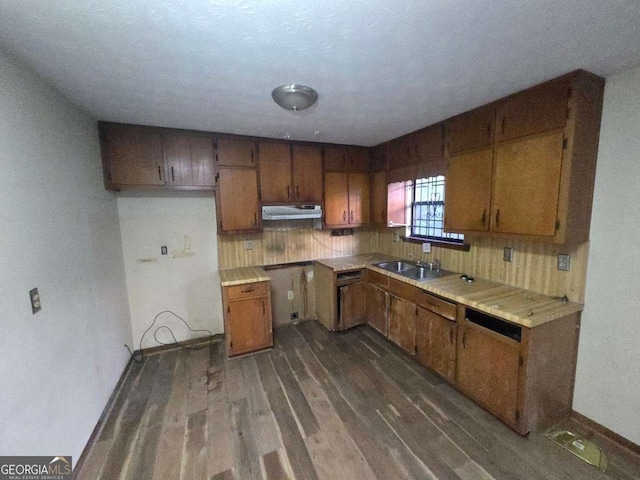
140 358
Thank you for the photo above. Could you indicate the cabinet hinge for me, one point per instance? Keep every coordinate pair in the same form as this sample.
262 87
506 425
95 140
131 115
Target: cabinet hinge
520 361
564 143
557 224
517 414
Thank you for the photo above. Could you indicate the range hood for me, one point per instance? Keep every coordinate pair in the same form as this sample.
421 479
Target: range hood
286 212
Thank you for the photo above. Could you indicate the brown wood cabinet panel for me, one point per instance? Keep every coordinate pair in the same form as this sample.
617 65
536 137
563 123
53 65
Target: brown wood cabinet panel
248 324
437 305
336 199
275 172
132 156
336 158
533 111
427 144
307 173
379 198
379 158
237 200
234 152
402 323
488 370
377 279
359 159
400 152
471 130
247 290
358 198
352 306
189 160
526 185
396 204
436 340
403 289
468 191
377 309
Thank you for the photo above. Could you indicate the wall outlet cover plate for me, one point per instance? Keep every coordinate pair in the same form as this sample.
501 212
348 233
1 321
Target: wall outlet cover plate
507 255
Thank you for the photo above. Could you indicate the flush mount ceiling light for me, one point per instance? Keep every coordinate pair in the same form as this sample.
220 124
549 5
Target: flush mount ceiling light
294 97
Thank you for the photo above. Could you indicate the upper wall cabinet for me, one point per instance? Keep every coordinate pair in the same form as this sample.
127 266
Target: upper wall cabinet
542 163
471 130
420 146
189 160
236 152
290 174
131 156
346 199
346 159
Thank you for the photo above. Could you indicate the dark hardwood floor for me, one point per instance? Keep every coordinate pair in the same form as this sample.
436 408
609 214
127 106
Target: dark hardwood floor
318 406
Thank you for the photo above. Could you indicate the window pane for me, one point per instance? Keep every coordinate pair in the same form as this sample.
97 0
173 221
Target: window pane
428 210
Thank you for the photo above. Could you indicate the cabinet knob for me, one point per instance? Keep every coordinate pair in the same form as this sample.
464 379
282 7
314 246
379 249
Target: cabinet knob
484 217
344 215
351 216
288 191
173 177
498 218
159 173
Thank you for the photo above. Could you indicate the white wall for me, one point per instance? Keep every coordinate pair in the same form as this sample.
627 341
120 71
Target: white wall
59 233
608 376
188 286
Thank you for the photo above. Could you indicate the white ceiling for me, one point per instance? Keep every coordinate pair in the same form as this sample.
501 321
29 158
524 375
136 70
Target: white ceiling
382 67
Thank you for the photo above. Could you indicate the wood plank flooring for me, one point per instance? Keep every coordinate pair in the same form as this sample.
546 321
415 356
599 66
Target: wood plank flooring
318 406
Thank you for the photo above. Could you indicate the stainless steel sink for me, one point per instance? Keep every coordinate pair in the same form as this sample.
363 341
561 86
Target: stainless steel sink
396 267
412 270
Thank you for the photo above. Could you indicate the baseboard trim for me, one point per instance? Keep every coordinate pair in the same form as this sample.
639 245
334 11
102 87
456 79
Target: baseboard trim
193 342
605 432
99 423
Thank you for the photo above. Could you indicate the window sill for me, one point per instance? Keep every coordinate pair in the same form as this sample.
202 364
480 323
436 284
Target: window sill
465 247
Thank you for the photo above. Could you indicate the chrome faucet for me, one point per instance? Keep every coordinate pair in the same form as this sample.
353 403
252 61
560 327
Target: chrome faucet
435 265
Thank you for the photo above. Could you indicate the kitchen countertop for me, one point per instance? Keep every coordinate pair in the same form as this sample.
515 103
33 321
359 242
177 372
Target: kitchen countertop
519 306
239 276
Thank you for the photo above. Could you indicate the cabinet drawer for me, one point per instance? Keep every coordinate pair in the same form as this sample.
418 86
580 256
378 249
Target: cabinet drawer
376 278
403 290
247 290
436 305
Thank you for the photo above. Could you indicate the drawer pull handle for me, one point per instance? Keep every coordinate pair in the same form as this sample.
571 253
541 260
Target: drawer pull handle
159 173
249 290
288 192
498 218
464 340
484 217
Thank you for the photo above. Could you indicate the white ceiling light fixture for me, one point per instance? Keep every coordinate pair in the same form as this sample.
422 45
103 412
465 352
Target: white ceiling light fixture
294 97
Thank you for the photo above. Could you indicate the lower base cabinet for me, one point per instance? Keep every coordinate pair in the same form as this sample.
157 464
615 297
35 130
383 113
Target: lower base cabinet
436 340
341 297
402 323
377 309
247 316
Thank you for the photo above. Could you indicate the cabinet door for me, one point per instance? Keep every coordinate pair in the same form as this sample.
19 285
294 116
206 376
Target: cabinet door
397 204
400 152
488 368
471 130
238 199
533 111
352 305
307 174
189 160
377 314
379 198
427 144
436 339
236 153
358 198
526 185
133 155
468 191
402 323
359 159
336 199
275 172
336 158
379 158
249 325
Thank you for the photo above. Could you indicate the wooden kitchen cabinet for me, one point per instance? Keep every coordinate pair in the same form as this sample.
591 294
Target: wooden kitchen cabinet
237 200
346 199
379 157
471 130
436 335
343 297
379 198
248 321
347 159
526 185
544 155
467 199
189 160
402 323
236 152
131 156
352 305
420 146
307 173
377 309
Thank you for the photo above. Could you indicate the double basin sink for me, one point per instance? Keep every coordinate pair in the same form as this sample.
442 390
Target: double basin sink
412 270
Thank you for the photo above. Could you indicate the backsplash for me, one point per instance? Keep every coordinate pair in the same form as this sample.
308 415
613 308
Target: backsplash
534 265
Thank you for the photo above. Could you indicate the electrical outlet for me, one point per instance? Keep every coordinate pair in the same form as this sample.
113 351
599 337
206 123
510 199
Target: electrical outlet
35 301
290 295
294 315
248 244
426 247
507 255
396 238
564 262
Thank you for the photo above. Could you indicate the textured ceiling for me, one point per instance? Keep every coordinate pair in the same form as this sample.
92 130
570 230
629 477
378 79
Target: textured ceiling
382 67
